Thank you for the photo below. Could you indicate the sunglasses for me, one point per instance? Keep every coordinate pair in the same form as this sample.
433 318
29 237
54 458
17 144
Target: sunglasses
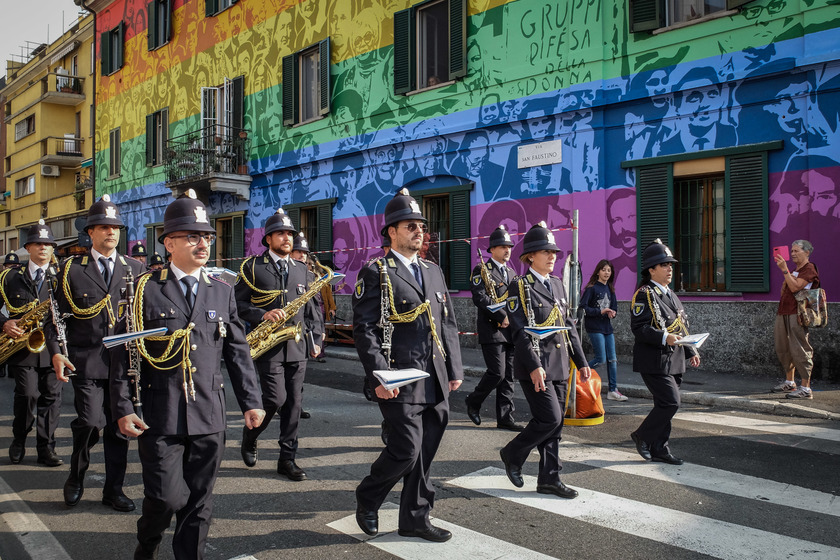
413 226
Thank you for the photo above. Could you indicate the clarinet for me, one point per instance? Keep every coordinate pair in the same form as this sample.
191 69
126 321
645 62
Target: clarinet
57 316
529 314
385 311
133 351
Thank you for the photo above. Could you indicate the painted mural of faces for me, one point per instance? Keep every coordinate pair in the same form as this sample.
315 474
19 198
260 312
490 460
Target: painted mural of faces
621 214
658 90
488 113
284 33
701 101
478 154
790 108
341 24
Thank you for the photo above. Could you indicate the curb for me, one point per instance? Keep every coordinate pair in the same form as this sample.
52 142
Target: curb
692 397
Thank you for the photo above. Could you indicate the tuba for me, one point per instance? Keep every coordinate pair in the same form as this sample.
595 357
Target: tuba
30 323
268 334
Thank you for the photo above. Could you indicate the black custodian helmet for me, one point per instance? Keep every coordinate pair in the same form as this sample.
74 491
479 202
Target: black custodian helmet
139 251
156 259
186 213
104 213
656 253
401 207
500 237
11 259
300 243
538 238
279 221
38 233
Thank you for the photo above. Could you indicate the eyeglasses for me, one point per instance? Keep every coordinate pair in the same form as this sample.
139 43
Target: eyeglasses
774 7
195 238
413 226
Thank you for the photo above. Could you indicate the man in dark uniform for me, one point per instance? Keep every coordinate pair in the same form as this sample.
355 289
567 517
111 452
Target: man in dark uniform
37 391
182 446
89 288
11 260
422 333
658 321
265 285
542 367
138 252
156 263
490 287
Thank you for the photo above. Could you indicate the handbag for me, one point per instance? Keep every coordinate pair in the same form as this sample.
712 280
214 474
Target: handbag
811 308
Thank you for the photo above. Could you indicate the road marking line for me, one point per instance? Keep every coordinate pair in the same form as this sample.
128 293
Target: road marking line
706 478
761 425
465 543
27 527
713 537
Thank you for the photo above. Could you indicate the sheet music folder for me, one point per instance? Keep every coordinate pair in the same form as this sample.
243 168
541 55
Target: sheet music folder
392 378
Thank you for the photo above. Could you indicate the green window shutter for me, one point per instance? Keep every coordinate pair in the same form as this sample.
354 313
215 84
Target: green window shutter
457 39
747 243
324 219
732 4
164 117
150 243
238 101
211 7
654 207
459 251
150 140
404 45
294 215
167 23
289 90
646 15
324 54
119 58
105 52
151 17
237 251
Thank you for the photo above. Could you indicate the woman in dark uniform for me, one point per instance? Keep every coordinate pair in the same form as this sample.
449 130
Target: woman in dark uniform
542 367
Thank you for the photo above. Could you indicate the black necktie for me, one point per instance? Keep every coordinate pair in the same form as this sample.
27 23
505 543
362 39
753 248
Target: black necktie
503 270
284 274
547 284
189 282
39 278
415 268
106 269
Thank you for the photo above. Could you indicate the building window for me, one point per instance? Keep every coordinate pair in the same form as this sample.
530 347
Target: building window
213 7
160 23
221 109
306 84
25 186
314 219
25 127
157 133
648 15
229 249
111 47
429 45
114 153
713 213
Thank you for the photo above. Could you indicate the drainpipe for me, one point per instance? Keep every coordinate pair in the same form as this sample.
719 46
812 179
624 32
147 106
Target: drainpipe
81 4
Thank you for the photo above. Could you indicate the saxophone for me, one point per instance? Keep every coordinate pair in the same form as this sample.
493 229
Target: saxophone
30 323
268 334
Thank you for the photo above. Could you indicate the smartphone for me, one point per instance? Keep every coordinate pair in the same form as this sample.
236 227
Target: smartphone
783 251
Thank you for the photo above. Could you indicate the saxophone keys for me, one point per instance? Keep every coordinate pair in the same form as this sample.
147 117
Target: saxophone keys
222 329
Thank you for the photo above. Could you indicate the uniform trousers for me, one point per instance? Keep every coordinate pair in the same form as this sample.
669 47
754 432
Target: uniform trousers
793 348
179 473
548 409
281 384
37 398
655 429
498 357
414 434
93 413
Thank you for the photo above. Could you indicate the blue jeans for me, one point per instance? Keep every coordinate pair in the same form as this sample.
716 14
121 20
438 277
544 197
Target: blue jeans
604 347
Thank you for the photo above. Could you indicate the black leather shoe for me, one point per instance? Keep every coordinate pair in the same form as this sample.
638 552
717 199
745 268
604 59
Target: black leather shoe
305 415
510 425
50 459
368 521
641 446
16 452
248 448
385 433
73 492
514 474
667 458
558 489
474 413
434 534
290 470
119 503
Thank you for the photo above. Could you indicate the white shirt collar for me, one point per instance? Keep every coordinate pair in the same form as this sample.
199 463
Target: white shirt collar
275 257
664 289
498 264
539 276
32 267
180 273
96 254
405 260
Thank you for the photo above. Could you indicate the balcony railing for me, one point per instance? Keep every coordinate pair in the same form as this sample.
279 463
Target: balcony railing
62 89
207 151
63 146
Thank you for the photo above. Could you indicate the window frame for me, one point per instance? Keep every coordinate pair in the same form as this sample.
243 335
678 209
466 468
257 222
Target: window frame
292 87
114 155
112 49
29 124
28 184
647 16
215 7
157 133
159 14
323 242
237 220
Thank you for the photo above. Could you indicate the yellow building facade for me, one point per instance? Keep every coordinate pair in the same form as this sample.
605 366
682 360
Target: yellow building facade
49 116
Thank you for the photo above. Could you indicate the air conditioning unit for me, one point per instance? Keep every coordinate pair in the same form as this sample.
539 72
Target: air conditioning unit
50 170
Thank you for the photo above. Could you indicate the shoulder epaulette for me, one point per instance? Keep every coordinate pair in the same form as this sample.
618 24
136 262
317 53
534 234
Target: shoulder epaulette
530 278
122 260
164 274
84 260
392 263
424 262
207 278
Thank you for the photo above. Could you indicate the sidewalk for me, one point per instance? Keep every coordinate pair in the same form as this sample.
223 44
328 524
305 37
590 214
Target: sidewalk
739 392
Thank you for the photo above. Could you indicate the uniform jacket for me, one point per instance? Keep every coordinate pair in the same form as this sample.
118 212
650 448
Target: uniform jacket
165 408
554 350
650 356
264 274
87 288
487 323
412 343
19 289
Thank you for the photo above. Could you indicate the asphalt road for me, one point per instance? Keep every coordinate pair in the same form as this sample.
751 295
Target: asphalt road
753 486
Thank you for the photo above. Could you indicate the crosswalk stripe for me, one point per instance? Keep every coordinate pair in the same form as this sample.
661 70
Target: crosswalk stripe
706 478
35 537
761 425
713 537
465 543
